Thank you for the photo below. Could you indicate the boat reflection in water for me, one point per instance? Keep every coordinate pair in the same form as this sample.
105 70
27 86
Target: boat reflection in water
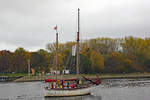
87 97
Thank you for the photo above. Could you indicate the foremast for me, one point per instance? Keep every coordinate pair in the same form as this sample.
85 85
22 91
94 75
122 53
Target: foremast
56 52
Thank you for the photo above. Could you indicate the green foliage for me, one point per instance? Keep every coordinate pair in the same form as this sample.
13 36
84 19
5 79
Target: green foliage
85 64
115 63
20 60
40 60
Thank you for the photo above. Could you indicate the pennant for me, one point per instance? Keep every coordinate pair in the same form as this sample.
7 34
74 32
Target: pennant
55 28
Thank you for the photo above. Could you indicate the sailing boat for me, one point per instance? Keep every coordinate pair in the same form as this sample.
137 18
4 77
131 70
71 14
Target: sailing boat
70 87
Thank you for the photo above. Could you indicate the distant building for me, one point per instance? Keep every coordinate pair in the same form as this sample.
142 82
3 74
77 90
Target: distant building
54 72
65 71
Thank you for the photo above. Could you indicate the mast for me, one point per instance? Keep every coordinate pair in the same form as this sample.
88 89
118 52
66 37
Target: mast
77 62
56 52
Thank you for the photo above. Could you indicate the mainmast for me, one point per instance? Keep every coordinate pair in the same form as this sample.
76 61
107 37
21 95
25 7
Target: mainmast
77 62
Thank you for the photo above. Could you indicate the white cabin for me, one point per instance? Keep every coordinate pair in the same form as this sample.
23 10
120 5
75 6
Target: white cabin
65 71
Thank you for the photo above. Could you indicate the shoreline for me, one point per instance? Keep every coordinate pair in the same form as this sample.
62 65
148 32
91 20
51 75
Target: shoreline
102 76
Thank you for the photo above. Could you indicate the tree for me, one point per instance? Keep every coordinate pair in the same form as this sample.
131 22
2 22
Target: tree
20 60
6 61
104 45
85 65
115 63
137 49
40 60
97 61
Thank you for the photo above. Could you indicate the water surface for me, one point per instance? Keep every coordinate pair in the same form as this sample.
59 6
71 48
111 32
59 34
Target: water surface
111 89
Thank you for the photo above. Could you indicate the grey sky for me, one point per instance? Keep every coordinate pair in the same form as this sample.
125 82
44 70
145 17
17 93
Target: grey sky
30 23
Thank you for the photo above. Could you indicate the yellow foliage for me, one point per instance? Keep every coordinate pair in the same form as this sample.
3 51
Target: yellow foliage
60 58
97 59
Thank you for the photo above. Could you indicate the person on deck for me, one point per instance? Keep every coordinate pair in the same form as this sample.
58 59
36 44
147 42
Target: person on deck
52 86
62 83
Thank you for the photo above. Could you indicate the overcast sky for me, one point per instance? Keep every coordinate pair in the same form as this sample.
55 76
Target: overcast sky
30 23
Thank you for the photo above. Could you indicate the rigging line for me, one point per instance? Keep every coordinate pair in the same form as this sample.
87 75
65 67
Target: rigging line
69 23
68 19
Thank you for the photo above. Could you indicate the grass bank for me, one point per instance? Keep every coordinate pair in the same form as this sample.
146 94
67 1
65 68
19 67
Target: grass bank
13 75
111 76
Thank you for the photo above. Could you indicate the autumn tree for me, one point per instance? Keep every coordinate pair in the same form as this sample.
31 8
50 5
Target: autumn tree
40 60
20 60
6 61
115 63
137 49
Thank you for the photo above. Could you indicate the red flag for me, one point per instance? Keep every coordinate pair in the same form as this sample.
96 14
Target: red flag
55 28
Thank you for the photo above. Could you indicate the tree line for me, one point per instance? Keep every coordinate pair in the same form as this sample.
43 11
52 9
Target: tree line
99 55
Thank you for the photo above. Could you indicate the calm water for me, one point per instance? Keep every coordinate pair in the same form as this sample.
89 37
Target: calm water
114 89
